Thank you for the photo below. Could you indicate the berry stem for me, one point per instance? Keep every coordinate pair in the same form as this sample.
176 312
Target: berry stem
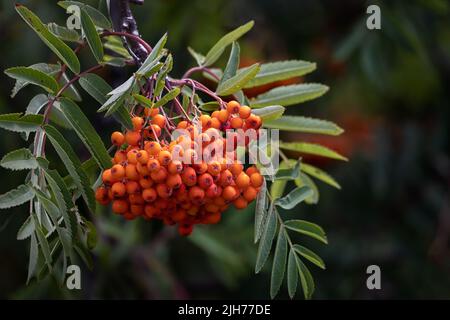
199 69
136 38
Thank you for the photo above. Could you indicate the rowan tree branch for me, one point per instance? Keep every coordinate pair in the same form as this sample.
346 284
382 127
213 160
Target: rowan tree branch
124 21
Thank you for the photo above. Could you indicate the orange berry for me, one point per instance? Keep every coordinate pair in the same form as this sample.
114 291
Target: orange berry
175 166
163 190
136 198
101 195
211 207
162 204
107 177
137 209
142 169
182 124
120 206
117 138
236 169
120 156
131 172
251 170
145 182
159 175
244 112
189 176
214 168
149 195
142 156
253 121
212 191
132 138
150 211
256 180
205 181
200 168
229 193
153 165
205 120
138 123
153 148
117 172
215 114
242 180
164 157
236 123
240 203
233 107
250 194
174 181
154 131
185 229
220 201
196 194
118 190
212 218
132 156
223 115
192 211
179 215
132 187
129 216
215 123
159 120
226 178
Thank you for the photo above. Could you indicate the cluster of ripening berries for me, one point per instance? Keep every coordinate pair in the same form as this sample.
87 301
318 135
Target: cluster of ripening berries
147 180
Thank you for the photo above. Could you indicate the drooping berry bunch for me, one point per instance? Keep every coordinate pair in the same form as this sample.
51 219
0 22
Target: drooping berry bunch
154 178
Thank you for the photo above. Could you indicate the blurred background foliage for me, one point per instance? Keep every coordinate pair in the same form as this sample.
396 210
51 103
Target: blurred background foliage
389 90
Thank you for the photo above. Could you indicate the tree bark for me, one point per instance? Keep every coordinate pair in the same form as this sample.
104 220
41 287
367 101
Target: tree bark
124 21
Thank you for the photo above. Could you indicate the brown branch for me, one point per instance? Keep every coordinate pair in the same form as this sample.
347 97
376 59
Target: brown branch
123 21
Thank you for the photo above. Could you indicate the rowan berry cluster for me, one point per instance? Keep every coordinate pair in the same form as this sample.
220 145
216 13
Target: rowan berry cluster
191 179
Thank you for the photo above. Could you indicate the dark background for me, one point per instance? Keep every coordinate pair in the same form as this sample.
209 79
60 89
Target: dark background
389 91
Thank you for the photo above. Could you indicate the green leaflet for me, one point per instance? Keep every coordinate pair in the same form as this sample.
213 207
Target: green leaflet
292 274
260 211
307 228
73 165
92 37
304 124
62 50
232 65
289 95
216 51
280 70
16 197
172 94
294 197
312 148
63 33
86 132
20 159
33 76
310 255
269 112
64 200
279 263
95 86
238 81
265 243
320 174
